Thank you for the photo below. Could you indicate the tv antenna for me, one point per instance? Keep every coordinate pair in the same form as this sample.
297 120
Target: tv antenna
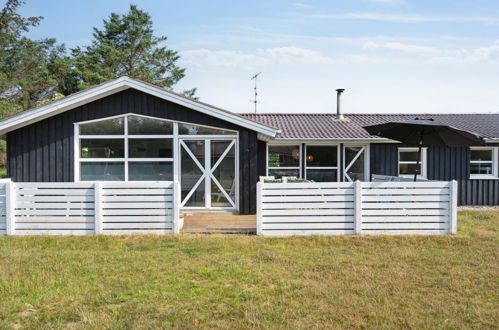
255 77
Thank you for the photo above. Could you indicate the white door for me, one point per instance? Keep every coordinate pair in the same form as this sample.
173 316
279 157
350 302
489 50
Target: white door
208 173
355 163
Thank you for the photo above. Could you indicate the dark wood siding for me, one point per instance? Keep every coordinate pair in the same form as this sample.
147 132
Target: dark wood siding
443 163
44 151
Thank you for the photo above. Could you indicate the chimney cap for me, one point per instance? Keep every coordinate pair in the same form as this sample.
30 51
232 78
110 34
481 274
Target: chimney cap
340 90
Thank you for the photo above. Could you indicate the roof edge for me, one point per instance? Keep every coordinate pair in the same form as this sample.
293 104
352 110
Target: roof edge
119 84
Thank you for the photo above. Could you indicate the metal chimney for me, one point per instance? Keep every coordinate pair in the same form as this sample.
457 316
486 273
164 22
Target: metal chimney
339 115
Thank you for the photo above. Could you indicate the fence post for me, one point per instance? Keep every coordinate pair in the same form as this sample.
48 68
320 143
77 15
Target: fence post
357 208
98 207
259 208
453 207
176 207
10 204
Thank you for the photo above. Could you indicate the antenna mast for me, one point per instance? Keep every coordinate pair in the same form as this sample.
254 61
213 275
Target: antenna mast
255 77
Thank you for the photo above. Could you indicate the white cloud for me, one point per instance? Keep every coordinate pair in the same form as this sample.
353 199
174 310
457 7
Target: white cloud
226 58
278 55
302 5
403 47
294 55
408 18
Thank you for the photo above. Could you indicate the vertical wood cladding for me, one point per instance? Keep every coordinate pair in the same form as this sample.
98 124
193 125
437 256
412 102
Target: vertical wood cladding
443 163
44 151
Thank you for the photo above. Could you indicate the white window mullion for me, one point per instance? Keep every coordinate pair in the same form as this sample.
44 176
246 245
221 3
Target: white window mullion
207 172
176 153
126 148
77 152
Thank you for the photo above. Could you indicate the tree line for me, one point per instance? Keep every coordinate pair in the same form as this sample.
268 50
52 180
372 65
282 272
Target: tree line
35 72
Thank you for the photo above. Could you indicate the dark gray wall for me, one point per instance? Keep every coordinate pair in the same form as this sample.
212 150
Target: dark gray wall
44 151
443 163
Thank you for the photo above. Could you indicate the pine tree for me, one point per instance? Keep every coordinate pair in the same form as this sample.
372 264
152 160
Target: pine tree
26 66
127 46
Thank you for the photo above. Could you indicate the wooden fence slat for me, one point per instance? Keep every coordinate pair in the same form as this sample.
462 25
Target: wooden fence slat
292 226
325 205
136 212
307 192
134 192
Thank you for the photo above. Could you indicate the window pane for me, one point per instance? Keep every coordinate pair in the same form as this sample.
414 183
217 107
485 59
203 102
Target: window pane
150 171
322 175
356 170
405 169
102 171
322 156
481 155
186 129
103 127
408 156
280 173
102 148
147 126
282 156
224 173
150 148
481 168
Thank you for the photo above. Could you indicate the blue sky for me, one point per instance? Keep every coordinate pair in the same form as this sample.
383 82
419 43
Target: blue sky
436 56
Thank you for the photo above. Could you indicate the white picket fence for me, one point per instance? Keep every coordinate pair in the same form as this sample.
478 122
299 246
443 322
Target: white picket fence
336 208
72 208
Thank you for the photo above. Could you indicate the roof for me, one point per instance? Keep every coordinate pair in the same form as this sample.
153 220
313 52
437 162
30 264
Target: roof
311 126
326 126
122 83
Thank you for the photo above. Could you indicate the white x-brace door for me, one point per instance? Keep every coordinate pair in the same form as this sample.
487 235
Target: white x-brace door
362 151
207 168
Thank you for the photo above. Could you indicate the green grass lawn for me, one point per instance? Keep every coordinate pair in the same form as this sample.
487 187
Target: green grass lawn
237 281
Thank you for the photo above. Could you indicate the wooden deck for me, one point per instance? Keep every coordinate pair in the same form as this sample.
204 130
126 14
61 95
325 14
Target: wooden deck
219 223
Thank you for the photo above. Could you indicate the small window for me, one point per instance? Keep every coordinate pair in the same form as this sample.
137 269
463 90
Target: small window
113 126
148 126
321 163
105 171
408 160
188 129
483 163
284 160
102 148
150 148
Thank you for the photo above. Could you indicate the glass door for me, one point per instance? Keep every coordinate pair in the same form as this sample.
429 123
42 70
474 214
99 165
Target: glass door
208 173
355 163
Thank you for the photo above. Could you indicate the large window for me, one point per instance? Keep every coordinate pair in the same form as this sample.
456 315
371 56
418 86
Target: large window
129 148
483 163
284 160
408 160
132 147
321 163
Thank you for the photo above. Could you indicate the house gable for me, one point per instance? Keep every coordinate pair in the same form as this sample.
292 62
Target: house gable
121 84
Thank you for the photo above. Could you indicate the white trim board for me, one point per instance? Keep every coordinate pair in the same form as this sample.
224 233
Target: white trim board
120 84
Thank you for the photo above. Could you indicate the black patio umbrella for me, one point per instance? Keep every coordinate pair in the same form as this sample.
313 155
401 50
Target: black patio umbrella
425 133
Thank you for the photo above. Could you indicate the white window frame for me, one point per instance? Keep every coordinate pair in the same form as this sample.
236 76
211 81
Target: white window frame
284 167
337 167
423 162
494 162
367 161
175 137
